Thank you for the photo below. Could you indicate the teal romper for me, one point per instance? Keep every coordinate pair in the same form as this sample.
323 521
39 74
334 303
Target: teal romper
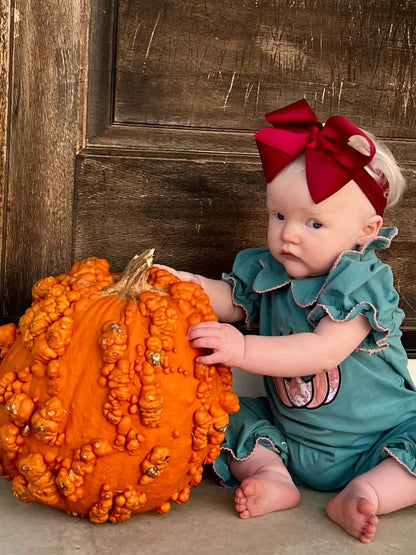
333 426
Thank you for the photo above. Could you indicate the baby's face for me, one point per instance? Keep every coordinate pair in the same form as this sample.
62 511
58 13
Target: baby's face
306 237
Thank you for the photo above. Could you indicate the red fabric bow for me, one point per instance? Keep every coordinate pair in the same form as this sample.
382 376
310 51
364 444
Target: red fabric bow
330 161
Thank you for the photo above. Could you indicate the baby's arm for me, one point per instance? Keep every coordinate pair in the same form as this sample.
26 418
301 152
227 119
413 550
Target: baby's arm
219 293
299 354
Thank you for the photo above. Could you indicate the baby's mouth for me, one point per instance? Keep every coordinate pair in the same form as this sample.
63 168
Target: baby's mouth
289 255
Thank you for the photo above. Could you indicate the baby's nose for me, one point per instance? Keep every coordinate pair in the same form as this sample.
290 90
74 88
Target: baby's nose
290 233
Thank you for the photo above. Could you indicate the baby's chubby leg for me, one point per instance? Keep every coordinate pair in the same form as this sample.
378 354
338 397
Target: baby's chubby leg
385 488
266 485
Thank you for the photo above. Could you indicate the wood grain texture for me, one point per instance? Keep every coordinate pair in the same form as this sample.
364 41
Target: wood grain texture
5 46
196 214
100 67
224 64
44 134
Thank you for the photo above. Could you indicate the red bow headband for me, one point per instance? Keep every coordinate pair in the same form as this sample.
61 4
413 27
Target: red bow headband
330 160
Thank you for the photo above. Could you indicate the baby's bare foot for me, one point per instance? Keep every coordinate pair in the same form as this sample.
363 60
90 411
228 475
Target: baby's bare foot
264 493
355 514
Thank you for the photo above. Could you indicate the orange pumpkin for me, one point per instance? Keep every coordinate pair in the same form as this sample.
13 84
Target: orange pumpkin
104 410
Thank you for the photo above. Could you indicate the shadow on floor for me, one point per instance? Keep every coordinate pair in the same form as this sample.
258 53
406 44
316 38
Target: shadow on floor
207 524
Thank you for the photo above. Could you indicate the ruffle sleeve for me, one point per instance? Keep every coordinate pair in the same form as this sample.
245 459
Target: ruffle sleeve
361 284
247 266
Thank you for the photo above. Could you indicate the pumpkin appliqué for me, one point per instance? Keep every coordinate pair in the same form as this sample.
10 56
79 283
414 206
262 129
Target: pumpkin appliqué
104 411
309 392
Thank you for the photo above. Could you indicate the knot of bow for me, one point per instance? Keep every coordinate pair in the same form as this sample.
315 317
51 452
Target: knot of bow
335 153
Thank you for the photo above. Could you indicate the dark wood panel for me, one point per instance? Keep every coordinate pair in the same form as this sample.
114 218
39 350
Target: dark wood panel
100 67
224 63
197 214
402 253
401 257
403 215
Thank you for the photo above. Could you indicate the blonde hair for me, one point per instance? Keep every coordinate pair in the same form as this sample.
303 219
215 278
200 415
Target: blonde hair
384 167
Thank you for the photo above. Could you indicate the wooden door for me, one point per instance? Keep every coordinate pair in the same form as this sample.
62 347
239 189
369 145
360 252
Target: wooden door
130 124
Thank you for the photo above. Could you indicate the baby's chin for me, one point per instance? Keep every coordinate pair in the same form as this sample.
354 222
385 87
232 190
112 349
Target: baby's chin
296 268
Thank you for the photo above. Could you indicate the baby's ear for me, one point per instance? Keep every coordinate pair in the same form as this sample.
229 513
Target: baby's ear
370 229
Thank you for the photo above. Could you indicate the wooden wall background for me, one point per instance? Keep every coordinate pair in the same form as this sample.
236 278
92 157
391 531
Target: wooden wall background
42 97
129 124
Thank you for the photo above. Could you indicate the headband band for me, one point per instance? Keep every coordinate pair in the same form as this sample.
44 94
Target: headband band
330 160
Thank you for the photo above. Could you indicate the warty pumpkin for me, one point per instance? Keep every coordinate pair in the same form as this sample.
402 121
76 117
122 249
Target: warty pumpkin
104 411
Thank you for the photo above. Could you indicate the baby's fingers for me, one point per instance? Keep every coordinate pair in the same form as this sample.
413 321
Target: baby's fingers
208 328
206 342
212 358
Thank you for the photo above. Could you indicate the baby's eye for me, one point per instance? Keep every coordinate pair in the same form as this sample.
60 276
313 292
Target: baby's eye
279 216
313 224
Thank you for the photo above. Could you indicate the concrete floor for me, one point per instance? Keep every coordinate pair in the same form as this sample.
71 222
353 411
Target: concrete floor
207 524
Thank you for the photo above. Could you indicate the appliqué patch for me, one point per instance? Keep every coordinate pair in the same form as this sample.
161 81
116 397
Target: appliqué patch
309 392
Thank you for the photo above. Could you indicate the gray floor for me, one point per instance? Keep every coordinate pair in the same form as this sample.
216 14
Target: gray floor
206 524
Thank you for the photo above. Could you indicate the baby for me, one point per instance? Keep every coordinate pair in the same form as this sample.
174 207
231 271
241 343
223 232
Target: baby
340 407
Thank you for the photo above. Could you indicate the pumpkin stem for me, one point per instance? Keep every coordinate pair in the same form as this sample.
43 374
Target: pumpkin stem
133 281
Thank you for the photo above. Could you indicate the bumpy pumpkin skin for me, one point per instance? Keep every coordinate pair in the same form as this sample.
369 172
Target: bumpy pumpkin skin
103 409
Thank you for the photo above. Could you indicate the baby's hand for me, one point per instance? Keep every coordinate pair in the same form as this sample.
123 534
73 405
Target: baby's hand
183 276
225 342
